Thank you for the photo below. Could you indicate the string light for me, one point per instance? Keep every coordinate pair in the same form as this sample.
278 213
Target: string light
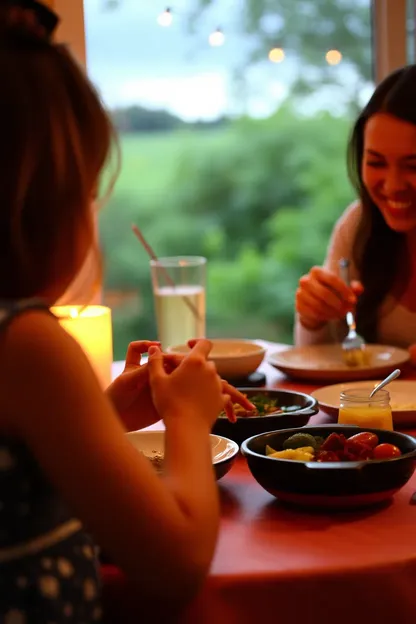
276 55
165 19
216 38
333 57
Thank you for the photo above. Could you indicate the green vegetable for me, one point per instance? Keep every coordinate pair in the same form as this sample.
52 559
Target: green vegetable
264 404
299 440
319 441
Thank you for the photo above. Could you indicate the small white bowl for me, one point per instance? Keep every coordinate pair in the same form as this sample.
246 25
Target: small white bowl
234 358
224 451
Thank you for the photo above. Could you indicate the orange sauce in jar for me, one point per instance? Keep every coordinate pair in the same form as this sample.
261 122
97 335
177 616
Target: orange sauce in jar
356 408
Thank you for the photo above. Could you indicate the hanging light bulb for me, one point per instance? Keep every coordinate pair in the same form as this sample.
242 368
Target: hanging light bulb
333 57
165 18
216 38
276 55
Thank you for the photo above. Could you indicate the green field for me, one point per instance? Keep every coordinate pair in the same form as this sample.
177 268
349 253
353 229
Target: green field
149 166
257 198
149 160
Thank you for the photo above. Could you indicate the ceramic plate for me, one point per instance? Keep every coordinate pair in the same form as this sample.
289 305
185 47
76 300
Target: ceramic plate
402 399
223 451
325 363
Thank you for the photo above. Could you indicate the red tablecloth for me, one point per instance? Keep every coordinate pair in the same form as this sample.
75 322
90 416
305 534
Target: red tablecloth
281 565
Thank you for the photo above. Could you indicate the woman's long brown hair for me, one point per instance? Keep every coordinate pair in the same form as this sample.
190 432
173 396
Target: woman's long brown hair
377 248
55 137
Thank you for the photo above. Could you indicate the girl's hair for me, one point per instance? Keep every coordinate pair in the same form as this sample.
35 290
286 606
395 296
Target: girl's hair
377 248
55 140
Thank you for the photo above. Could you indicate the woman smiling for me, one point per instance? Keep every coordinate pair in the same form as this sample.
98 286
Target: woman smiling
377 233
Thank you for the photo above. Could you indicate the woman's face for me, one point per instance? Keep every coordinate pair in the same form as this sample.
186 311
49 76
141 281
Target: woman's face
389 169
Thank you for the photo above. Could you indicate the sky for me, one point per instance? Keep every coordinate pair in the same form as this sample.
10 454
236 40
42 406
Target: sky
133 60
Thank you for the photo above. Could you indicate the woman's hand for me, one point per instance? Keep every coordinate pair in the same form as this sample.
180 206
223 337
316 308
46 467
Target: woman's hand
322 296
130 392
412 351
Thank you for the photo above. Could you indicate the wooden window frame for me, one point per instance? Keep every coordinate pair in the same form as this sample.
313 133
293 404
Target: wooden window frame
71 29
389 36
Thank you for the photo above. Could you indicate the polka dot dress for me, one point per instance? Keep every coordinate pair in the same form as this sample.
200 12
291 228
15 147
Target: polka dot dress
48 573
57 584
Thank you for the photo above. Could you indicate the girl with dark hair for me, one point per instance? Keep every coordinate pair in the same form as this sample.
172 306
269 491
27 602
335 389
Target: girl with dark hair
377 233
65 462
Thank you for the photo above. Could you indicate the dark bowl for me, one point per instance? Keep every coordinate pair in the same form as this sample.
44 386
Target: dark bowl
245 427
330 485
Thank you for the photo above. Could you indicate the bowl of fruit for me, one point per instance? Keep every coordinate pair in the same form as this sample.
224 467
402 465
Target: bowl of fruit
331 466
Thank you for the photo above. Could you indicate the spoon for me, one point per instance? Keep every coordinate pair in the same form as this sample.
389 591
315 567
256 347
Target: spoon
386 381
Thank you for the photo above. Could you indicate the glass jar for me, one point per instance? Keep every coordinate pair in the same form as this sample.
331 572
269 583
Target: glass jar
356 408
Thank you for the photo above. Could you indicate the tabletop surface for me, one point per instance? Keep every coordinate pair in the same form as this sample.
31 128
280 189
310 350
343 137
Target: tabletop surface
264 546
260 536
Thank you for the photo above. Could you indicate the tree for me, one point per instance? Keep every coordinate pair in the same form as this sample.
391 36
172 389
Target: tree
306 30
140 119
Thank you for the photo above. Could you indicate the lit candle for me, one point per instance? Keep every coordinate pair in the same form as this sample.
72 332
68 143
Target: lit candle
91 328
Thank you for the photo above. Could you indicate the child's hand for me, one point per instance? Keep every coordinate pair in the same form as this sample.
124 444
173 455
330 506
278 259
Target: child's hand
131 396
193 390
130 392
235 395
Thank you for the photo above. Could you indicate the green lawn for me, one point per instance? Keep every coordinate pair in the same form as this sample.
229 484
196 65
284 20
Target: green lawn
148 160
142 194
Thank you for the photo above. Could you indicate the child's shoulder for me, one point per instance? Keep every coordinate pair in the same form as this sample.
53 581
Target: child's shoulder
30 334
34 353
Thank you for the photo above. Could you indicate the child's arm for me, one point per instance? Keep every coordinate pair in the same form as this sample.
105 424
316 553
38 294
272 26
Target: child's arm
162 532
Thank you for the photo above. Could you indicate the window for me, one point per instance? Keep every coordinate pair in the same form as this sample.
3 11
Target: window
411 30
232 151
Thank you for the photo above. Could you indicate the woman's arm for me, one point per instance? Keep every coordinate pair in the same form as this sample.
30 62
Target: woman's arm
340 246
161 532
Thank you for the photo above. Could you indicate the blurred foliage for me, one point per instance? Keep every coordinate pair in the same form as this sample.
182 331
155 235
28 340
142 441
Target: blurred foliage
139 119
306 30
257 198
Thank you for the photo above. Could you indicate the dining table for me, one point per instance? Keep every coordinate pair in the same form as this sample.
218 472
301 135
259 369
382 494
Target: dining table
279 564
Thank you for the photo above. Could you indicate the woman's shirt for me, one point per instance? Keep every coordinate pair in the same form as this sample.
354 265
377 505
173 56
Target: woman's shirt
396 322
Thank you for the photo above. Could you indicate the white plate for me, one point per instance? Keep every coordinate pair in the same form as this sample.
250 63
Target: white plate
325 363
224 451
402 398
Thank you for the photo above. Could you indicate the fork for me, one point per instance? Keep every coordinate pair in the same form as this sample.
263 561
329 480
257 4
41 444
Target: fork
353 345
